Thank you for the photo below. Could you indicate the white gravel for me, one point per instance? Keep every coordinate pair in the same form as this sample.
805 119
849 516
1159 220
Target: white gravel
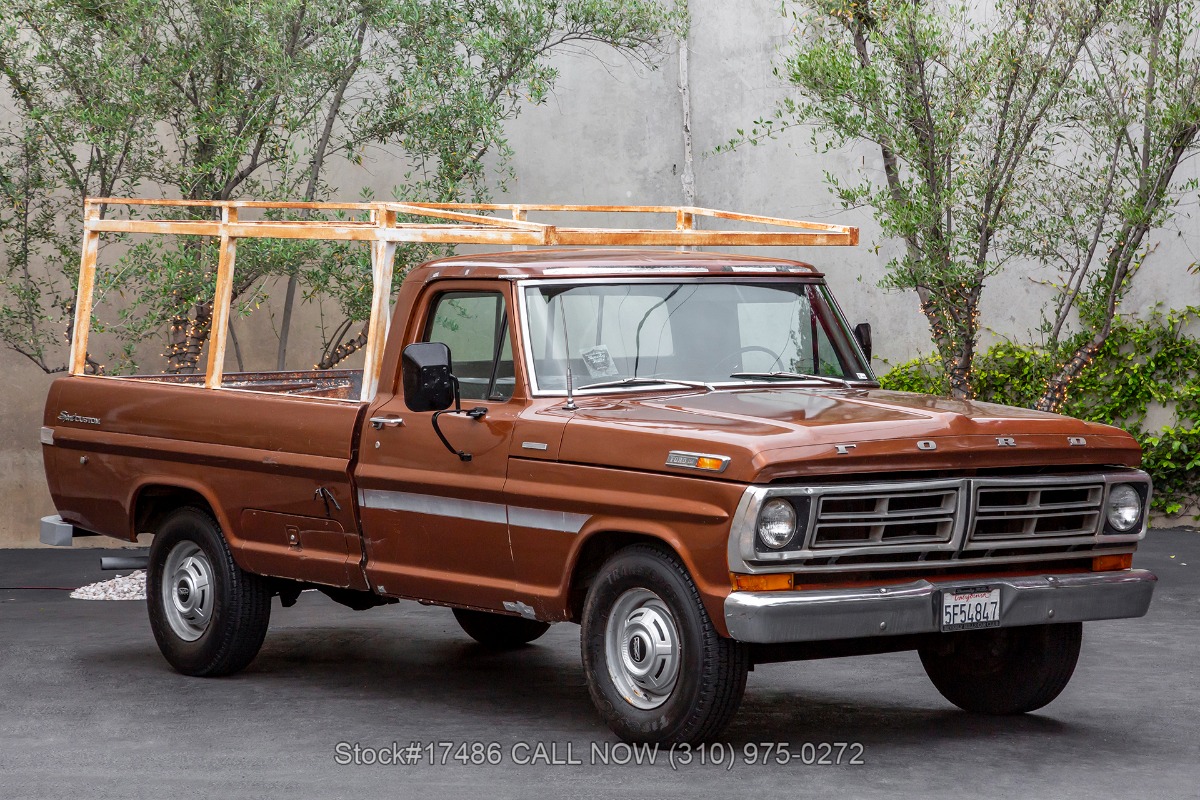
124 587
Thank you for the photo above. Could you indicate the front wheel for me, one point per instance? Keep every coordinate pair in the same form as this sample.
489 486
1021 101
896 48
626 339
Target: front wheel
209 616
1004 670
656 668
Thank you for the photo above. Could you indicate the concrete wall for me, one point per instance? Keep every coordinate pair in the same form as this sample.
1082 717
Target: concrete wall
23 492
612 133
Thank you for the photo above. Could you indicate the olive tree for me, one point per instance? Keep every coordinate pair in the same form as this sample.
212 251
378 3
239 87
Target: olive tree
956 99
1135 120
210 100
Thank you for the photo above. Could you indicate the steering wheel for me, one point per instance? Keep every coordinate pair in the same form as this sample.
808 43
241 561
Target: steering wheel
750 348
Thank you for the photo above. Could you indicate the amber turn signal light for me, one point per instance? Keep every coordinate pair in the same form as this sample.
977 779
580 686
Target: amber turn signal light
1108 563
761 583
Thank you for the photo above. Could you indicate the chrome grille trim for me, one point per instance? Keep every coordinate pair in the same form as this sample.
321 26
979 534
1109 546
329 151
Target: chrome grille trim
893 525
909 517
1030 522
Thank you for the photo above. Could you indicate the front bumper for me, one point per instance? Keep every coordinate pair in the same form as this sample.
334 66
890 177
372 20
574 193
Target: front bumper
908 608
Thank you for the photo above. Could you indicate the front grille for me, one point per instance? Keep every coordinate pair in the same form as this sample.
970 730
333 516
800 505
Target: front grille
941 522
1030 515
902 517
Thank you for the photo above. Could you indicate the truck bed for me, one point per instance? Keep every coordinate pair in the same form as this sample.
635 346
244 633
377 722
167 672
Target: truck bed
275 461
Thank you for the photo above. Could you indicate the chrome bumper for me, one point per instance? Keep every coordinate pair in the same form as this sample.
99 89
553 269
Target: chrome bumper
822 615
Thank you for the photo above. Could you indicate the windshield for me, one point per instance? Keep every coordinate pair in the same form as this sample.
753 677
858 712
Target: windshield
638 333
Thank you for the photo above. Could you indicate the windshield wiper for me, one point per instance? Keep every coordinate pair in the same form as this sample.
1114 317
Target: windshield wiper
645 382
793 376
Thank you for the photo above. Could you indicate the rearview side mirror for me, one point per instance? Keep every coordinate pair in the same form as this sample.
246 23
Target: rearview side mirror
427 375
862 332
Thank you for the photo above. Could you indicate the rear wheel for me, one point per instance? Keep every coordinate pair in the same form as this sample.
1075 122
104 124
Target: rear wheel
1004 670
499 631
656 668
209 616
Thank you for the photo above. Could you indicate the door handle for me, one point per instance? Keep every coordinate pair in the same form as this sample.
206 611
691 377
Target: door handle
379 423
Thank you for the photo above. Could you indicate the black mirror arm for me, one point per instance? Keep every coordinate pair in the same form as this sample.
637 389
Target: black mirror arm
477 412
438 430
474 413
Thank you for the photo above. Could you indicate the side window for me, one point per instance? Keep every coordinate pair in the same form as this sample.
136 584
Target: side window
474 325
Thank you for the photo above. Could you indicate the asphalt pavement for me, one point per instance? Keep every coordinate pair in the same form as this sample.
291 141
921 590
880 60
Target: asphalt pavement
89 709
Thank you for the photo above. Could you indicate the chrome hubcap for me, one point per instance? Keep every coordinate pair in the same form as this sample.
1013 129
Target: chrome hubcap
643 648
187 591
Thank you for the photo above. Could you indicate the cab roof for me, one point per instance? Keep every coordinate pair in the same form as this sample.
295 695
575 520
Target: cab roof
602 262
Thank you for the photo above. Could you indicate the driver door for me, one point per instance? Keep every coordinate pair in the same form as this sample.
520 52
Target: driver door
436 526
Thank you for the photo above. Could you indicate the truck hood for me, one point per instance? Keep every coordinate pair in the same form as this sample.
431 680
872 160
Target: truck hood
770 433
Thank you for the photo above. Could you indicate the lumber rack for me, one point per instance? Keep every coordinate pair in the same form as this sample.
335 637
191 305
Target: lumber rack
383 225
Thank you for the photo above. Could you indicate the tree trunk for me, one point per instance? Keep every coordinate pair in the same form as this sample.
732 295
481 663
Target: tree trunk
344 351
958 372
188 334
1056 388
954 331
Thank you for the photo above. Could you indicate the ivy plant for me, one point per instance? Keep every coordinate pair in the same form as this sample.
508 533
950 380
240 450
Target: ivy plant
1143 365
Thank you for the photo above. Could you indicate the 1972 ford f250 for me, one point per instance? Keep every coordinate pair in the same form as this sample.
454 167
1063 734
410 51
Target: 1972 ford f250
686 453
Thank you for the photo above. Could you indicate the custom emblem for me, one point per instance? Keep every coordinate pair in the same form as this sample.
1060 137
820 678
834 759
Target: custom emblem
1005 441
67 416
844 449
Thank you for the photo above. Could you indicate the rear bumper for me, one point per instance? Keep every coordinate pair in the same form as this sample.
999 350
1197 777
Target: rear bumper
822 615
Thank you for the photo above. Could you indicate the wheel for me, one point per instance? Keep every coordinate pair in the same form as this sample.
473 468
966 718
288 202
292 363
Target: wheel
1004 670
656 668
735 357
208 616
499 631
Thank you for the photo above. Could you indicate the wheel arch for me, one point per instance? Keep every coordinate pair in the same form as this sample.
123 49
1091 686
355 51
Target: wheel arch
596 549
153 500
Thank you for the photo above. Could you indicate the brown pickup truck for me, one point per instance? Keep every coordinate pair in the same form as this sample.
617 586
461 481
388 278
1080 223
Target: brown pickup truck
686 453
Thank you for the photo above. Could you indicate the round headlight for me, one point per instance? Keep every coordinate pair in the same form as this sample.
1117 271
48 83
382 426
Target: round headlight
1124 507
776 523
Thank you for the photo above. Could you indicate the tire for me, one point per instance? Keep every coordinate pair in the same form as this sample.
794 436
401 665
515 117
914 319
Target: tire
1004 670
209 617
656 668
499 631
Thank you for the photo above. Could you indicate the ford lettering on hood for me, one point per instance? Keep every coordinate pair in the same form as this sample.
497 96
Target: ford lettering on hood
785 432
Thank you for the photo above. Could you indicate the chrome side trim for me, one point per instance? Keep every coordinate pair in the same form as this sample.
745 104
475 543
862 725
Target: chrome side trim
562 521
46 436
828 614
436 506
477 510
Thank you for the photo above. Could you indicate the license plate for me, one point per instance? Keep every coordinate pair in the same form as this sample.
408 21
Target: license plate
968 609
